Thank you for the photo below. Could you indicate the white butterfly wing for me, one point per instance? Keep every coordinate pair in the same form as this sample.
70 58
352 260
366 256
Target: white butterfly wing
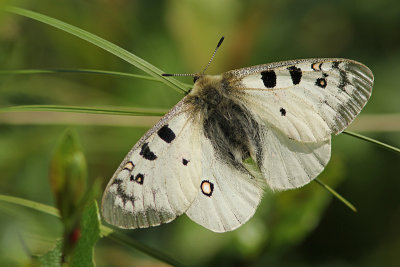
307 100
281 114
227 197
158 180
287 163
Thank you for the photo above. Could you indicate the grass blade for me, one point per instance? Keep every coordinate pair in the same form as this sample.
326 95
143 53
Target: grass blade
376 142
336 194
83 71
30 204
128 241
102 43
91 110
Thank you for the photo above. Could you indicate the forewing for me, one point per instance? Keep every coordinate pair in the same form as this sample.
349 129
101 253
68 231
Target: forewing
158 179
307 100
227 197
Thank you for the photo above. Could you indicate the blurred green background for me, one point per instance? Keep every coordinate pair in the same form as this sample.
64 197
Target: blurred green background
303 227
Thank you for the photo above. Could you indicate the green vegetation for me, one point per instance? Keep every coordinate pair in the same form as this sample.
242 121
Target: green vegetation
48 75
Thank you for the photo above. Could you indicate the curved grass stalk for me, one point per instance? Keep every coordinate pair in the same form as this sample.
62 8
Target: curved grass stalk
130 242
102 43
376 142
31 204
84 71
336 194
90 110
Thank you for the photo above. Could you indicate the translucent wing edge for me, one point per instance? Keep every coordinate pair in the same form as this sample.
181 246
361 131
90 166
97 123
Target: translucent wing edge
283 64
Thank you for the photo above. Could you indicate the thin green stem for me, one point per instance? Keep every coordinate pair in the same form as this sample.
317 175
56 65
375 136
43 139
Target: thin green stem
91 110
376 142
336 194
31 204
129 242
84 71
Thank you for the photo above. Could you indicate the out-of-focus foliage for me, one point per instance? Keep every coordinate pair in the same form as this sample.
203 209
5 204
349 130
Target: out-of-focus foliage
68 177
68 181
300 227
83 251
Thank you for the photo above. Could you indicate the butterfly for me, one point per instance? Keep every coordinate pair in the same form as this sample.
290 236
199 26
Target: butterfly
234 134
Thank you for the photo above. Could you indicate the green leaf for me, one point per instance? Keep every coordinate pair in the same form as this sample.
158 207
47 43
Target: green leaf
83 254
102 43
90 233
52 258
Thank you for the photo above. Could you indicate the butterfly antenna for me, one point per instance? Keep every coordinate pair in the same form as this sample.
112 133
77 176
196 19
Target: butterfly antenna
196 74
213 55
178 74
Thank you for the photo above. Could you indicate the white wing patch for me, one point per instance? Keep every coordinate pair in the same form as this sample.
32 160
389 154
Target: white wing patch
307 100
227 197
288 164
158 180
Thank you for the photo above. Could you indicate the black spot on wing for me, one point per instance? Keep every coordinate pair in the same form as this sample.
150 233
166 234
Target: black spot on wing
185 161
166 134
295 74
335 64
129 166
321 82
344 80
139 178
316 66
121 193
283 111
269 78
207 188
146 153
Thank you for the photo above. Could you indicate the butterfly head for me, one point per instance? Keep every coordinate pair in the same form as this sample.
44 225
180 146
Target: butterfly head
206 91
196 77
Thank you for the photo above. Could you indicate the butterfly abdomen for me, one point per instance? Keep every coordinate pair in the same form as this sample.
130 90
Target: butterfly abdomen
229 125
